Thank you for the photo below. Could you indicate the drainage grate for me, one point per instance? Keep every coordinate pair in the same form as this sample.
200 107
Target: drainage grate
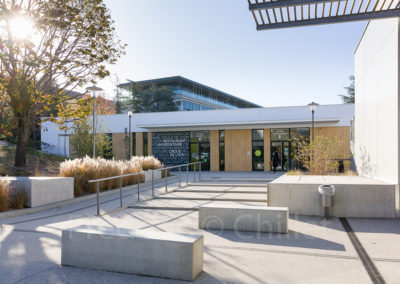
369 265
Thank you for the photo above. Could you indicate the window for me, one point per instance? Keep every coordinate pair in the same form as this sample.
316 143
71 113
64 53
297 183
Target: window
222 150
200 148
258 150
200 136
279 134
145 144
206 108
301 134
108 152
190 106
352 130
133 144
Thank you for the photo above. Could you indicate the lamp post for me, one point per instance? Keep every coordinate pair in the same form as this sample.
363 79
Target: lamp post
130 116
94 89
313 107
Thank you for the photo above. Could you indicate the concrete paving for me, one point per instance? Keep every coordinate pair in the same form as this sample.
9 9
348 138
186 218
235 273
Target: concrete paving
315 250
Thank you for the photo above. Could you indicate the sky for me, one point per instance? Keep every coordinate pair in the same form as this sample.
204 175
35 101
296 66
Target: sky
215 42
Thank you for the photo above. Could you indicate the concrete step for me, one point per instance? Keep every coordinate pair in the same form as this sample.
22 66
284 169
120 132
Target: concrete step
217 184
217 198
237 180
192 205
226 189
220 191
215 195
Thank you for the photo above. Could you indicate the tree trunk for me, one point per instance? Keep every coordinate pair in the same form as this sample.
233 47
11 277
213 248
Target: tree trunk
22 139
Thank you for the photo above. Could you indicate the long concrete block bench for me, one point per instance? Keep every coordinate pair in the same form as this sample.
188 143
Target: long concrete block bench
140 252
244 218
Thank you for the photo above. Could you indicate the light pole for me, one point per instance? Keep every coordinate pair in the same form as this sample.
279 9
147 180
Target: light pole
313 107
130 116
94 89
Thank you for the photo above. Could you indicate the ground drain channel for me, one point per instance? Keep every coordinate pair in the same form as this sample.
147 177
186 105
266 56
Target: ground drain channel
369 265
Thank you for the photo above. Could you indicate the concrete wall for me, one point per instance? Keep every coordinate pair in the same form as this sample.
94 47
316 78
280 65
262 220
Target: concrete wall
238 151
44 190
355 197
377 103
342 133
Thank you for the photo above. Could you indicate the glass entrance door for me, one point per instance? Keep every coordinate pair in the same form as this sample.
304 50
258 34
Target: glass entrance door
200 152
205 155
276 155
282 148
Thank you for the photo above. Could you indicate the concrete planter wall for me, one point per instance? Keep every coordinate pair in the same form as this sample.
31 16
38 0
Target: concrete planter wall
355 197
44 190
147 176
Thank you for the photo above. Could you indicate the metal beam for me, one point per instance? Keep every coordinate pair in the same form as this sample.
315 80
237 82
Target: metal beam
284 3
331 20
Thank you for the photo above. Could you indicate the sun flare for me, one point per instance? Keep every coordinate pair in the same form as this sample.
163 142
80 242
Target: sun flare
21 27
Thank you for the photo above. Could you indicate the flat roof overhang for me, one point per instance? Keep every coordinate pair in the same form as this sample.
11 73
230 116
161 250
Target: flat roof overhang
277 123
295 13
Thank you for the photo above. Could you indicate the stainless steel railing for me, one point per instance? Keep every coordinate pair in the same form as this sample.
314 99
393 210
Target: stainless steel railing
166 169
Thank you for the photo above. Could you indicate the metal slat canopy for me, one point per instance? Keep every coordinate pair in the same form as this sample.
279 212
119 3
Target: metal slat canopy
318 12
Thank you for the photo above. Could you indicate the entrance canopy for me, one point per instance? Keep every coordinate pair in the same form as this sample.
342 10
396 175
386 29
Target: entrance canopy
294 13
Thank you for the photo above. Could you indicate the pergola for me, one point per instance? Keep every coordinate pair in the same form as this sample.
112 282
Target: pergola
294 13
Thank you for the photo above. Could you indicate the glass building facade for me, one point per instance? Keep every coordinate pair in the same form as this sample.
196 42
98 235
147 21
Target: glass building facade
193 96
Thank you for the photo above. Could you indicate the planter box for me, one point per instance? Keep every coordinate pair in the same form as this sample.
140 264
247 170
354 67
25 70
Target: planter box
147 176
355 197
44 190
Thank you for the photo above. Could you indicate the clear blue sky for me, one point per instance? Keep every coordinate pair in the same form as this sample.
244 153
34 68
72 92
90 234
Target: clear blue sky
215 42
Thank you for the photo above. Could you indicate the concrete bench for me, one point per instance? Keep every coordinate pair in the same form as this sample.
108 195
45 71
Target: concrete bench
244 218
141 252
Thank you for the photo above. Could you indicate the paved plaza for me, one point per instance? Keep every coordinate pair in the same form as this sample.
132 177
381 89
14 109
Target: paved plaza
316 250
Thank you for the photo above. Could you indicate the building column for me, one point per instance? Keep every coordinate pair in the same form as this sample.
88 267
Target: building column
267 150
139 144
149 144
214 150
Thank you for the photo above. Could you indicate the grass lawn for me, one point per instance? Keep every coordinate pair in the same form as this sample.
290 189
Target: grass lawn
38 163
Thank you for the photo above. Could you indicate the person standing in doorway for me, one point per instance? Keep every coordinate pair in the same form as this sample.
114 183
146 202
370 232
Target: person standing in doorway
275 160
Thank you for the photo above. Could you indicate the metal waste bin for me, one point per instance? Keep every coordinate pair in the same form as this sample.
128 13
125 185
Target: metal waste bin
327 192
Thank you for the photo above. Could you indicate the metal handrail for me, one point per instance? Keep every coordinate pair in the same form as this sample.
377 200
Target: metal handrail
97 181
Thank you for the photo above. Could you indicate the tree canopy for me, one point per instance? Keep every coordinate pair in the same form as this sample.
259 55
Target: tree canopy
152 99
350 97
70 43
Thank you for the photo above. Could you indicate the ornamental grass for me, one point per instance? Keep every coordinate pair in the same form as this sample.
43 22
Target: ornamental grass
83 170
10 197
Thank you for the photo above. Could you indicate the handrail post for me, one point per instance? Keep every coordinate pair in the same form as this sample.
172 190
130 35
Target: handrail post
98 197
166 181
179 176
194 172
120 190
187 175
152 183
138 192
200 171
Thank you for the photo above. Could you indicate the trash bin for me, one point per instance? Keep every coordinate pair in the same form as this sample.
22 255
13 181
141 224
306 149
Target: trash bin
327 192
